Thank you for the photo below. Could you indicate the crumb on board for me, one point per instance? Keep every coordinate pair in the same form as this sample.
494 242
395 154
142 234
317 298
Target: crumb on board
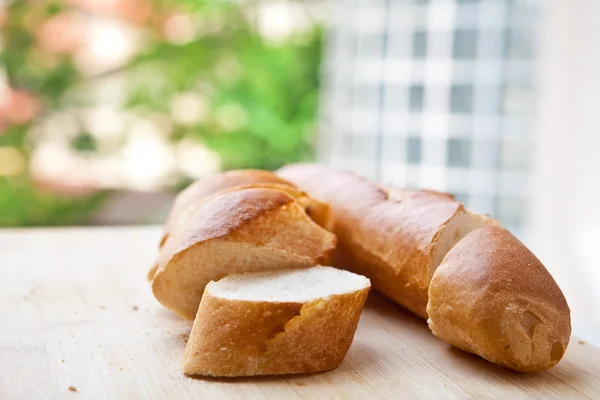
184 336
62 360
122 369
300 384
102 307
72 388
581 342
134 308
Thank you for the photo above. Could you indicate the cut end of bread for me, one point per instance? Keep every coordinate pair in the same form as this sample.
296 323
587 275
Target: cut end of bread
273 323
459 226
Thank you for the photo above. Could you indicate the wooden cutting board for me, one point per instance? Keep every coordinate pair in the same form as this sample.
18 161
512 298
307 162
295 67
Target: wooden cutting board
78 320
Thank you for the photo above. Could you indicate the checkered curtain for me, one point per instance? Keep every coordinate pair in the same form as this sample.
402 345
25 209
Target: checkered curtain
434 94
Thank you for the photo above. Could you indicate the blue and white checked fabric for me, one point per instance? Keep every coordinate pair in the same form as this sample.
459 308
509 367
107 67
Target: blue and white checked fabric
434 94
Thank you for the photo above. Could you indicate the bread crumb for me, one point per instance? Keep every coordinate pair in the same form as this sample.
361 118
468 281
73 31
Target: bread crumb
62 360
184 336
72 388
134 308
581 342
102 307
121 369
300 384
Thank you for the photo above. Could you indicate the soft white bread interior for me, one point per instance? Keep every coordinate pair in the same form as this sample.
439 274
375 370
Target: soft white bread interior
277 322
396 238
491 296
245 230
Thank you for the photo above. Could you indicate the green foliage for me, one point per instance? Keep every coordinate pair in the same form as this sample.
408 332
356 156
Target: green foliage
274 86
260 95
21 204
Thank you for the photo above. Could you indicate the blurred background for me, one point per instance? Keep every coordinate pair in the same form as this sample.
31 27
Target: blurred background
108 108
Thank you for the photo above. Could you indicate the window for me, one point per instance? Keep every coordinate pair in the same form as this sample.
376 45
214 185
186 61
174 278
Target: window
413 150
465 44
416 98
459 152
461 99
419 44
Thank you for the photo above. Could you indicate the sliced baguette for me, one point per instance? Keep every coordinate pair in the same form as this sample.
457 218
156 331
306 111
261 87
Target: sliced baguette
239 231
491 296
396 238
278 322
318 211
204 188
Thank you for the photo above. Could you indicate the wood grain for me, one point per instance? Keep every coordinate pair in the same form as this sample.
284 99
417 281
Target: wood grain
77 312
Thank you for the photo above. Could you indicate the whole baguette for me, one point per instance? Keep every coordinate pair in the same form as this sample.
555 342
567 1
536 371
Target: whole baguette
491 296
396 239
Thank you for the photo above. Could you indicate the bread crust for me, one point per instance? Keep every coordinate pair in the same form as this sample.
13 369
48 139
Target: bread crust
206 187
388 239
247 338
254 218
316 210
491 296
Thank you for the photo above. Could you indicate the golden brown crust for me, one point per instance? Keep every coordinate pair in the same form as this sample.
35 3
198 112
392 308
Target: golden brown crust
389 240
491 296
315 209
206 187
245 338
318 211
223 235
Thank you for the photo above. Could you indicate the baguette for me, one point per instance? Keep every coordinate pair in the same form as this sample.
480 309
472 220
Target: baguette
396 239
197 193
204 188
253 229
278 322
491 296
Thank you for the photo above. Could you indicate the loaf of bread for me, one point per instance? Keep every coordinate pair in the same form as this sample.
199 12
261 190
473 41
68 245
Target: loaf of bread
243 230
278 322
491 296
197 193
397 239
189 198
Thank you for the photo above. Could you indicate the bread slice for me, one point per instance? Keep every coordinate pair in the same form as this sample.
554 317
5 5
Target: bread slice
396 238
278 322
206 187
491 296
244 230
198 193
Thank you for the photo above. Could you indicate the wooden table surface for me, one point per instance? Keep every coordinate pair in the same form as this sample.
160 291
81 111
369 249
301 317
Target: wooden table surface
78 320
